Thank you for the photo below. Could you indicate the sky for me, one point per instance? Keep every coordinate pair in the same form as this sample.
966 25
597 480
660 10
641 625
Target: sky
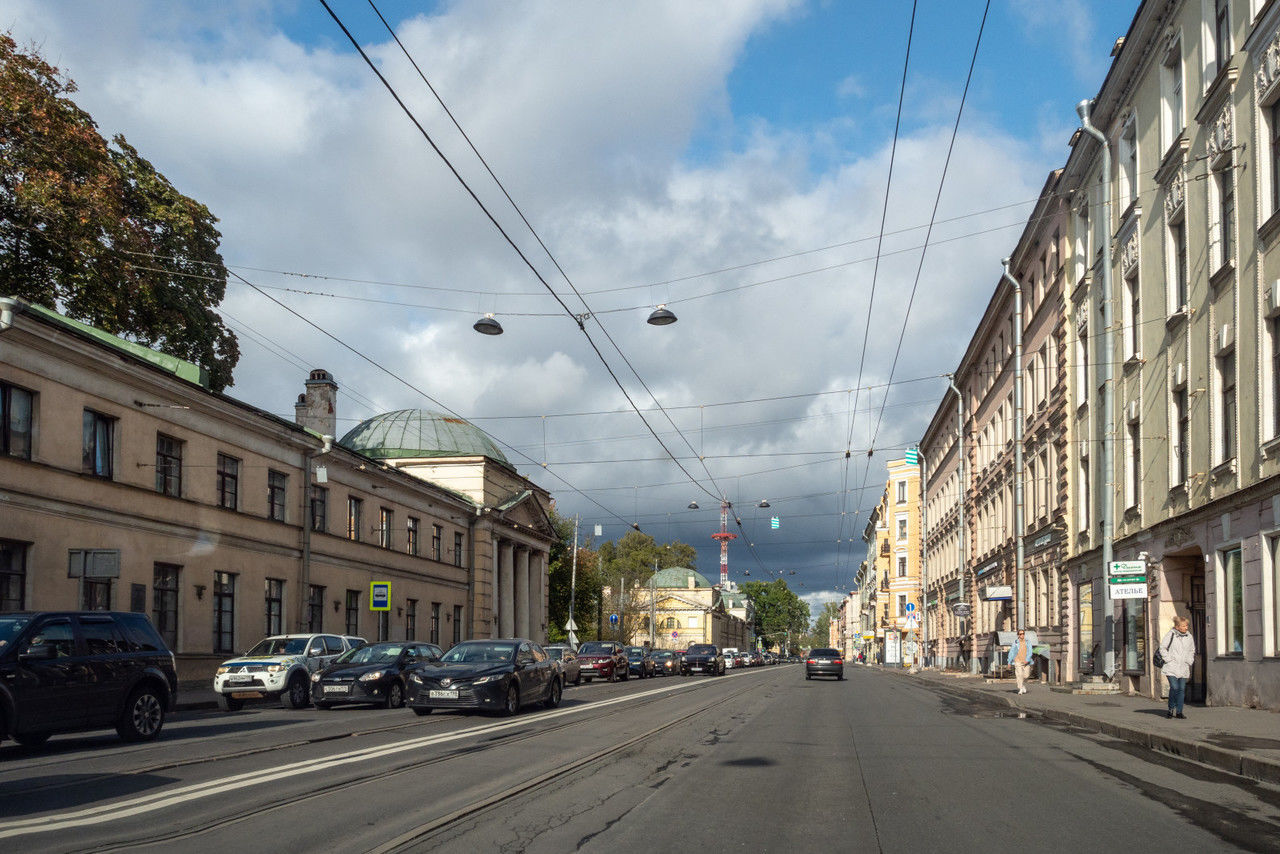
727 159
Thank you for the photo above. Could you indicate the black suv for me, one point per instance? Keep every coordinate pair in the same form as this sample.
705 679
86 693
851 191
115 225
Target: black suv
702 658
70 671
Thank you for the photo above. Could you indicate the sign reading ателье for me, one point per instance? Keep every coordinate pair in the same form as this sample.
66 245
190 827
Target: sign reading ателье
1127 579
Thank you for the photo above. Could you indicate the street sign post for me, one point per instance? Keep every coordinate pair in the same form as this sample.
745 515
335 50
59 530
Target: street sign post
380 596
1127 579
961 609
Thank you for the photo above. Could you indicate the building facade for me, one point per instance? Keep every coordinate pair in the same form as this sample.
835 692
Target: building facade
686 609
128 485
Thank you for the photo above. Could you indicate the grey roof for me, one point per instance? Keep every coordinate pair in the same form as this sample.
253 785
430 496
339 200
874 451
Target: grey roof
411 433
678 576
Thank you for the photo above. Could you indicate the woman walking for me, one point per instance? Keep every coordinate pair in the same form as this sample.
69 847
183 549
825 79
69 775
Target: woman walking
1179 650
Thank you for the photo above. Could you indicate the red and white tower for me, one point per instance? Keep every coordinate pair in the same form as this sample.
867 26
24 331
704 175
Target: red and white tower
724 537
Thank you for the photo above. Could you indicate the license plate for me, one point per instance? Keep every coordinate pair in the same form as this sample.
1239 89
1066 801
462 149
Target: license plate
588 667
442 695
245 695
695 667
337 689
239 679
824 661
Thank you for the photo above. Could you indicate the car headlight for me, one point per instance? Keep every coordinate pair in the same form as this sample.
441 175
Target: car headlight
415 678
484 679
315 677
277 668
221 671
372 675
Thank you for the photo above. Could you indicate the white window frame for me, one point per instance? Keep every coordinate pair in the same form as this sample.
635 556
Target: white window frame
1132 463
1220 425
1173 96
1132 322
1127 170
1270 594
1220 590
1176 259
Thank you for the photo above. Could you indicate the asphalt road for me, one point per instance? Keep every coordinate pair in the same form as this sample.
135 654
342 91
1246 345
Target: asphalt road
759 760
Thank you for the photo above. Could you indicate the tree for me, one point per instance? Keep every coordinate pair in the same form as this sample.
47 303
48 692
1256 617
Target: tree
92 230
629 563
781 617
586 593
820 634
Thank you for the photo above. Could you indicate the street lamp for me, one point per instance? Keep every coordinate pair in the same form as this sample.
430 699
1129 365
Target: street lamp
487 325
662 316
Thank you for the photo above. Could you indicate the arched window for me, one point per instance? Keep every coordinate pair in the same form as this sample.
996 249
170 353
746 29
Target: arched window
670 623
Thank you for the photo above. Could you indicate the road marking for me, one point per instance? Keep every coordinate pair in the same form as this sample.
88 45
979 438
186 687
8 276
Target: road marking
197 791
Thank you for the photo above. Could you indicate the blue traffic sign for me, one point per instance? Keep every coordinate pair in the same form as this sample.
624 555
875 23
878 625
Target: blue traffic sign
380 596
911 606
613 619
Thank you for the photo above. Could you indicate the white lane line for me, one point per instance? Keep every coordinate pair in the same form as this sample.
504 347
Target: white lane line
197 791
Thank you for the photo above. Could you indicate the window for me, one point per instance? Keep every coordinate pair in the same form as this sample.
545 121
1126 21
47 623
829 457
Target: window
275 606
168 465
99 440
13 576
1222 237
1273 113
1181 437
1128 163
902 492
354 508
353 612
436 532
164 602
1232 607
1083 520
315 608
1133 491
1132 629
385 520
1172 114
435 622
902 566
457 548
1274 323
457 624
1227 413
412 538
15 421
1271 577
224 612
228 482
319 508
95 594
1132 316
902 605
277 482
902 527
1082 363
1221 34
1177 265
411 619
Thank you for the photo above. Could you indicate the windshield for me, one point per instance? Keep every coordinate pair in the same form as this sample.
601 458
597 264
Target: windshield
702 649
280 646
825 653
595 648
664 654
376 654
9 628
480 653
554 653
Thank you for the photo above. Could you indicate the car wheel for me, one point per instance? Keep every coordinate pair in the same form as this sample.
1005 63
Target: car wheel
626 674
807 676
421 711
324 707
586 679
840 677
395 696
613 676
229 704
577 680
512 705
32 739
554 695
143 715
296 696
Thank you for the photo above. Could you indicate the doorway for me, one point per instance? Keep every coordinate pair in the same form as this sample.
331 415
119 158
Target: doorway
1197 685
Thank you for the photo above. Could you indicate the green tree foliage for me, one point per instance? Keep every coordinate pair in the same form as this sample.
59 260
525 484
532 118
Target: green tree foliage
629 563
92 230
586 593
780 615
820 635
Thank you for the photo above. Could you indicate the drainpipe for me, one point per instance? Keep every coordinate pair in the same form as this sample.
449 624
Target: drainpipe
1102 364
304 576
964 532
471 574
1019 495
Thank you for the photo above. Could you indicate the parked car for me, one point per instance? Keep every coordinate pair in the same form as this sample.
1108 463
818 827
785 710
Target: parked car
374 673
603 660
639 662
729 661
824 662
666 663
570 669
74 671
277 667
490 675
757 658
703 658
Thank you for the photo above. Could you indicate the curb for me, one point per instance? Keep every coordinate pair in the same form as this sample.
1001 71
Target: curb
1232 761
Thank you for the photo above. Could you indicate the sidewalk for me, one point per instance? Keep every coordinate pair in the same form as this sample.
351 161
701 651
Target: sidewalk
1237 740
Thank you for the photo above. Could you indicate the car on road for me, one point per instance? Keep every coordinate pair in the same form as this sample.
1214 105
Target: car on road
570 668
487 675
374 673
666 663
639 662
603 660
277 667
824 661
703 658
66 671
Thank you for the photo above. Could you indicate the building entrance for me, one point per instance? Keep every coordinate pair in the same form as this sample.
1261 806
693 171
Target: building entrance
1197 685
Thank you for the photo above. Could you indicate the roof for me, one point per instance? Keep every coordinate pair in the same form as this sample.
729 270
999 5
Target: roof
678 576
411 433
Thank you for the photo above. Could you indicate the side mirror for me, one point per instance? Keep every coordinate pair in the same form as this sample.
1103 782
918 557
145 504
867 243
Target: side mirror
39 652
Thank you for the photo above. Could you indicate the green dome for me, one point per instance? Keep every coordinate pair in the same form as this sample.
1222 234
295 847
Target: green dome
678 576
420 433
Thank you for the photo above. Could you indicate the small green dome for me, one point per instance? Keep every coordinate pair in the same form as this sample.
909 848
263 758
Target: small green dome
412 433
678 576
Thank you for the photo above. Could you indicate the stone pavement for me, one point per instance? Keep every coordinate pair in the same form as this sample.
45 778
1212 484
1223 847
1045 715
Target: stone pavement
1238 740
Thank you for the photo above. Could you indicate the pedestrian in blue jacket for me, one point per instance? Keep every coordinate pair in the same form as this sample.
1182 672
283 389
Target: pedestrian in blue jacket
1020 658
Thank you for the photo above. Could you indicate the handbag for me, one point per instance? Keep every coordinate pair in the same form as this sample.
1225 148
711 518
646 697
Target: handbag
1158 658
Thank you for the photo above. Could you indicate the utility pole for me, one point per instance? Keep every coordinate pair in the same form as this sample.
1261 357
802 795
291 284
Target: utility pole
572 627
653 607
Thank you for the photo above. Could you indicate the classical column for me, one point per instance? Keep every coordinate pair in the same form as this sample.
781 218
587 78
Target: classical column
506 590
539 571
522 592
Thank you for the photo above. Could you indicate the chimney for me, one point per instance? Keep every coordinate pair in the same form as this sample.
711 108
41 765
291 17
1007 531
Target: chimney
317 408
